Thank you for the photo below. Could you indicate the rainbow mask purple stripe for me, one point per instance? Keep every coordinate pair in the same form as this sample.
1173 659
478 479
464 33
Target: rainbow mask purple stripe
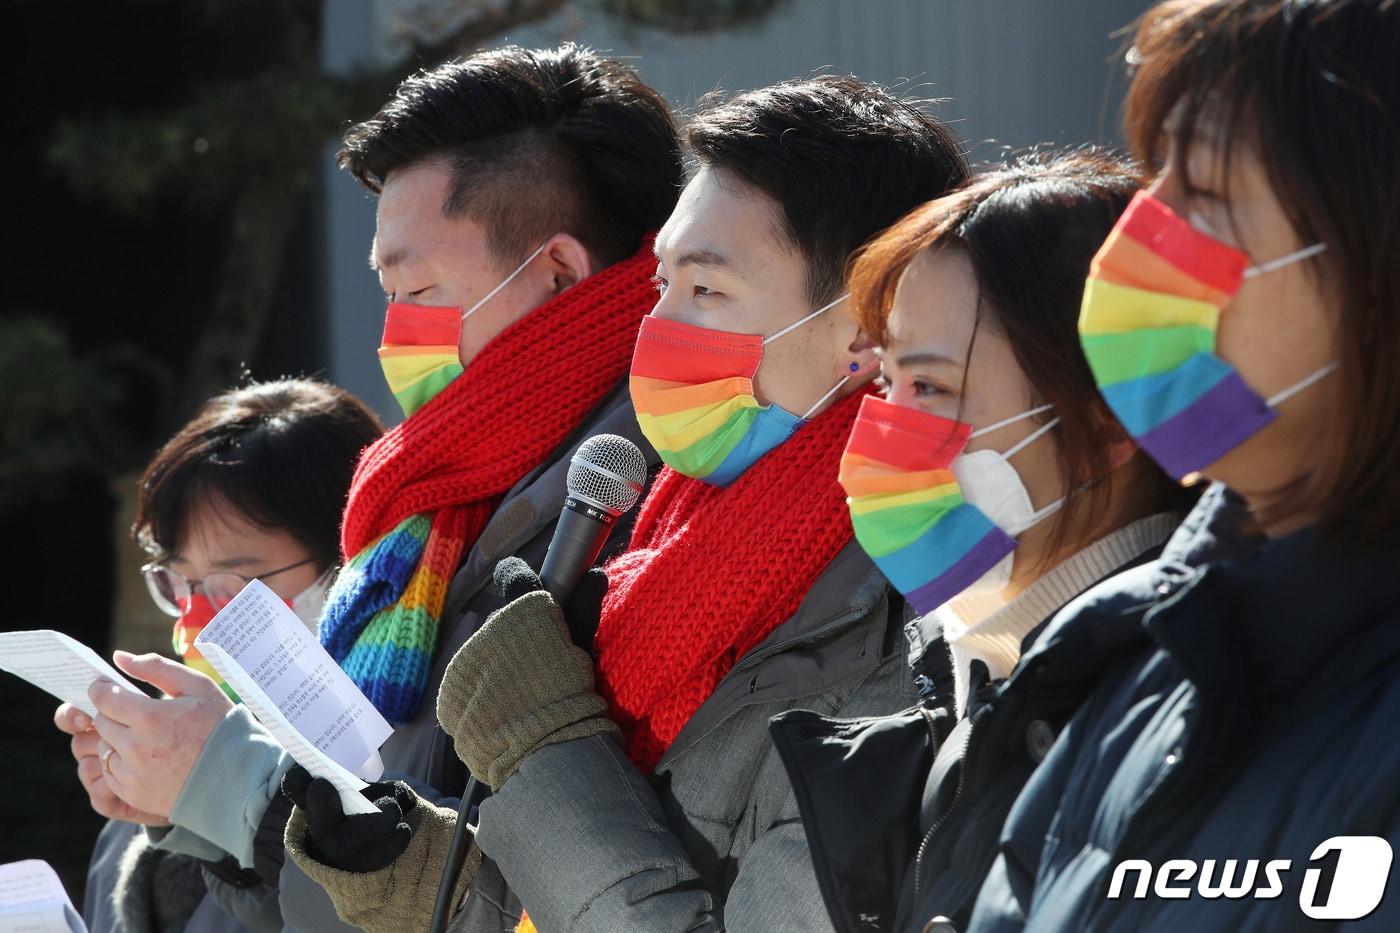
1148 324
907 509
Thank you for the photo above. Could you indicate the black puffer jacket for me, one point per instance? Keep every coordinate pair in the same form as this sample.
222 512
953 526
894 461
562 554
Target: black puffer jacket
1259 722
903 813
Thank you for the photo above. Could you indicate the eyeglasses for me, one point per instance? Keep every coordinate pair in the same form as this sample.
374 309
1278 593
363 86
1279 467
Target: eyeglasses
171 590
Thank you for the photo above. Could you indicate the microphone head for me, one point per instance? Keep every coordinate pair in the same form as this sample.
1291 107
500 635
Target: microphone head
609 472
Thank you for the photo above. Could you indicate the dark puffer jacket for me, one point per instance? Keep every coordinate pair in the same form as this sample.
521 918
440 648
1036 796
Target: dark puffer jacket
903 812
1260 721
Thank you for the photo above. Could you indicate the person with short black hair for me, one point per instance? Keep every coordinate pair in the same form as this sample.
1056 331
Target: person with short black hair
518 193
1243 321
250 488
639 789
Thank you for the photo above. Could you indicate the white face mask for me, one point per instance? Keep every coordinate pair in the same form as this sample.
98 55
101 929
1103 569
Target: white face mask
989 482
309 602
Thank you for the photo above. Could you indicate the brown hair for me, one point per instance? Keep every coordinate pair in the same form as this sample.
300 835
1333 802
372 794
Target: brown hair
281 453
1314 90
1030 230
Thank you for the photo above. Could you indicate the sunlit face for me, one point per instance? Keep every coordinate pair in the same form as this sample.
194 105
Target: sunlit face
1279 328
724 263
933 363
217 537
425 258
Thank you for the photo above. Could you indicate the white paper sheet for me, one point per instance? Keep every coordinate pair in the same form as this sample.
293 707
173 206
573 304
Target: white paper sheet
302 751
32 900
257 640
61 665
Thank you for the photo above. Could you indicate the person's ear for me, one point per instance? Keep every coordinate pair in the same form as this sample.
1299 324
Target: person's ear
566 261
1120 452
861 360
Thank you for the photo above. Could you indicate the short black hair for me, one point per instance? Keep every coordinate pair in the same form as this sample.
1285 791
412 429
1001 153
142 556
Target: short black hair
539 141
844 159
281 453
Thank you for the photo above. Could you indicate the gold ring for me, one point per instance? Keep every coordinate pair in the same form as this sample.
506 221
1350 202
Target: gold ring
107 760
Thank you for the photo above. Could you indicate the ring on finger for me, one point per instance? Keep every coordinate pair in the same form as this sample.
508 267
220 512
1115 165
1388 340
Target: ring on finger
107 760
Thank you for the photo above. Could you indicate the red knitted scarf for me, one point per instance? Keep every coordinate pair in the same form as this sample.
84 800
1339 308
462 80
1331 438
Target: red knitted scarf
513 405
710 571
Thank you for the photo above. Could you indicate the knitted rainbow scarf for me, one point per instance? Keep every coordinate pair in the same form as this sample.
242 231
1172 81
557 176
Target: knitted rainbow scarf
423 493
710 572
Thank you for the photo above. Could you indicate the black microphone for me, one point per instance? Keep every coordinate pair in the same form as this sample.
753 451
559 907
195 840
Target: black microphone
606 475
605 479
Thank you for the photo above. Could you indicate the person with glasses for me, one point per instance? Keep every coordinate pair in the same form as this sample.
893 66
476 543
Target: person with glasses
251 488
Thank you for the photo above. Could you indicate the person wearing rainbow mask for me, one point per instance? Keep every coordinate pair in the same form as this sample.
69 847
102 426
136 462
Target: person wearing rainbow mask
251 487
992 486
638 789
518 193
1243 321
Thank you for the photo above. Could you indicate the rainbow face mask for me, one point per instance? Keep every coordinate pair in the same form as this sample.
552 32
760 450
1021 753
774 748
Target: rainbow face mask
692 389
936 521
199 613
1148 323
419 352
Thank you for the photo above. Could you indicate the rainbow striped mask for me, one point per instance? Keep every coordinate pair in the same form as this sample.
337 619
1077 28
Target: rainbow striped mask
419 352
199 613
908 509
692 389
1148 324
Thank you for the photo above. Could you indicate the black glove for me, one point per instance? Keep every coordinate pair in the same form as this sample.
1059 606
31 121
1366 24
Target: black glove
358 842
514 578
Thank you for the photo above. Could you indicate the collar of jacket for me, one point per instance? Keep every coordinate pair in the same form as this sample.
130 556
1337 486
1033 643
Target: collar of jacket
537 499
1264 621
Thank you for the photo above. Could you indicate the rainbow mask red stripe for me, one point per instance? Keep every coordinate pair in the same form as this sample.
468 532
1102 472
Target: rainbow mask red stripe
419 352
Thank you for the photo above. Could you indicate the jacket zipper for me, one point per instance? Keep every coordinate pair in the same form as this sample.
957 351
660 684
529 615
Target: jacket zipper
938 824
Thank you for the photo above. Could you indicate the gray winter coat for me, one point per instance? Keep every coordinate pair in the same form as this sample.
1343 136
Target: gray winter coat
712 841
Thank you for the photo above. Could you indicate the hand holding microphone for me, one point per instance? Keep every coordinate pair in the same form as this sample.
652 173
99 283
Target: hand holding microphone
522 681
525 680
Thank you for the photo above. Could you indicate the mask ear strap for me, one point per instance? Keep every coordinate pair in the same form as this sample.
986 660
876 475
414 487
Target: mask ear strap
508 279
1283 396
817 313
830 392
1029 438
1298 255
1012 420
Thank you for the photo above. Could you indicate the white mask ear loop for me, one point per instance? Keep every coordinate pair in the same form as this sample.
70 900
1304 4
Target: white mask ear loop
1012 420
1296 256
1286 394
830 392
792 327
1029 438
508 279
